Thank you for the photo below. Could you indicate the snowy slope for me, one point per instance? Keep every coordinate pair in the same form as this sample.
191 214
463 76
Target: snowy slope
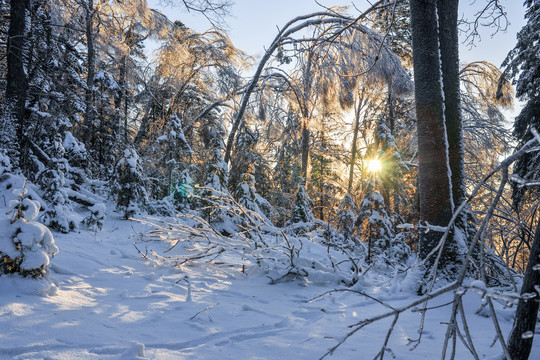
106 302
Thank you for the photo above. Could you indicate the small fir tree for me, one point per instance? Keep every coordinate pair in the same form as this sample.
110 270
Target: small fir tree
182 191
174 149
96 219
247 196
25 245
130 190
59 214
373 221
346 216
302 210
214 194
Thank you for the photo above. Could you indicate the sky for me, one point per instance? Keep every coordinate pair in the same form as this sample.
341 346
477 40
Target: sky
254 23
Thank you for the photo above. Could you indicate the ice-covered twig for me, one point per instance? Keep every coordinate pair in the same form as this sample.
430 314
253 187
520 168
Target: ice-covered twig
205 310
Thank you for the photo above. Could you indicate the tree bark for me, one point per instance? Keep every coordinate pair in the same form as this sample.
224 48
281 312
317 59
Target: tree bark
527 309
354 146
449 47
17 81
305 150
433 174
91 71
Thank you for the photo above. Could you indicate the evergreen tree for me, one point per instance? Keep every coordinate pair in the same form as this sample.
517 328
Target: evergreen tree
130 190
214 196
183 190
246 195
373 221
248 160
59 213
25 245
96 219
175 151
523 64
345 217
302 211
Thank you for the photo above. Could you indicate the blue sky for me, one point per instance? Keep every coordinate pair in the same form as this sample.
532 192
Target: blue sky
253 24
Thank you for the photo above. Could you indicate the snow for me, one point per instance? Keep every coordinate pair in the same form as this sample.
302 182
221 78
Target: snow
104 301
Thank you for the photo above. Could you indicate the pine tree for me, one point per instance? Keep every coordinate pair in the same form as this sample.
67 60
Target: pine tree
130 190
59 213
302 212
96 219
183 190
373 221
523 64
214 196
246 195
25 245
175 151
345 217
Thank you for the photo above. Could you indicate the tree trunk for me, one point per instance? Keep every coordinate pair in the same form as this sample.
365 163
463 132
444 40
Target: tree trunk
17 81
91 71
447 11
305 150
525 320
354 146
433 174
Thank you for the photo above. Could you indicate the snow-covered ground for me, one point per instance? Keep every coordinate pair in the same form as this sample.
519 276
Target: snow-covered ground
107 302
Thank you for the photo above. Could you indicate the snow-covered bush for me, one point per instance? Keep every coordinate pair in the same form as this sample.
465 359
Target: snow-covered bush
25 245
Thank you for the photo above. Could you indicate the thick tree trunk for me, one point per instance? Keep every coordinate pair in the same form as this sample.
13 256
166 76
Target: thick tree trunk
519 346
17 81
449 46
433 174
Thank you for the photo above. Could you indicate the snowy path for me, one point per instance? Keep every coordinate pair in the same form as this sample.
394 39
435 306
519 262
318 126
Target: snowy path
109 303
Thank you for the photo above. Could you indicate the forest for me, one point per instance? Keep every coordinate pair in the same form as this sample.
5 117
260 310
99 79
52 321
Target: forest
357 156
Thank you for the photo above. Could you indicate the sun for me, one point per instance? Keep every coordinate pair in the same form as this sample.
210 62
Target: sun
374 165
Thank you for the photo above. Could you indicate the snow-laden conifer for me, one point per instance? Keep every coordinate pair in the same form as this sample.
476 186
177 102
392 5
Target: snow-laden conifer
346 217
129 188
214 195
183 190
247 196
375 225
302 211
59 214
25 244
